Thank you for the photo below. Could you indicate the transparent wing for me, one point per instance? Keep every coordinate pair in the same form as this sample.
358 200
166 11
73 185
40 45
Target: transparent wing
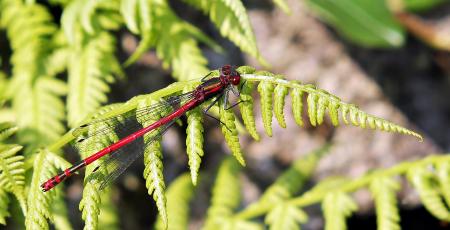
118 161
124 124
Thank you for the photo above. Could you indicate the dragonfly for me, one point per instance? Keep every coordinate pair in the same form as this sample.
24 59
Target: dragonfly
127 149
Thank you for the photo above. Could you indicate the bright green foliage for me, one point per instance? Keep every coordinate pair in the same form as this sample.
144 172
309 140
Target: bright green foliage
318 103
426 182
246 108
153 172
368 23
226 195
297 105
194 141
384 192
174 39
179 195
46 165
12 177
30 29
231 18
285 216
246 105
280 93
336 207
91 202
266 89
228 126
4 201
6 130
90 70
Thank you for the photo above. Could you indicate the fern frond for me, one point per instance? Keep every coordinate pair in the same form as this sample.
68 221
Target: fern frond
425 181
179 194
4 201
46 165
194 141
6 130
153 172
90 204
228 126
384 191
336 207
91 68
318 103
12 173
285 216
226 194
91 17
246 105
232 20
30 29
173 38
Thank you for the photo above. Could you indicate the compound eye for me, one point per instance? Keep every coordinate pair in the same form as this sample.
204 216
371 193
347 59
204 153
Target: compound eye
235 79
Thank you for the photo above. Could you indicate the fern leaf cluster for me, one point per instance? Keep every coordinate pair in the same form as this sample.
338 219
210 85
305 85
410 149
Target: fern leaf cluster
384 191
231 18
273 90
30 29
225 195
46 165
153 172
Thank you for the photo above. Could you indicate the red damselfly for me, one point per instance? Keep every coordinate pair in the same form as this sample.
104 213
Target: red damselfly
123 152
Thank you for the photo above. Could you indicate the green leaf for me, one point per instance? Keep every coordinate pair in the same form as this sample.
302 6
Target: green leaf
443 170
179 194
46 165
226 195
228 126
246 108
266 90
318 102
280 93
424 181
232 20
91 68
35 92
384 192
4 201
336 207
194 141
153 172
108 218
6 130
12 173
367 23
285 216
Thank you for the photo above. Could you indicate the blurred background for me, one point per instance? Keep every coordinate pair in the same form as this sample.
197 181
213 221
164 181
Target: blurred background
394 64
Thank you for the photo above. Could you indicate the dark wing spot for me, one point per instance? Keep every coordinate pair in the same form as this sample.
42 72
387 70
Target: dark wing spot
96 168
82 126
81 140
